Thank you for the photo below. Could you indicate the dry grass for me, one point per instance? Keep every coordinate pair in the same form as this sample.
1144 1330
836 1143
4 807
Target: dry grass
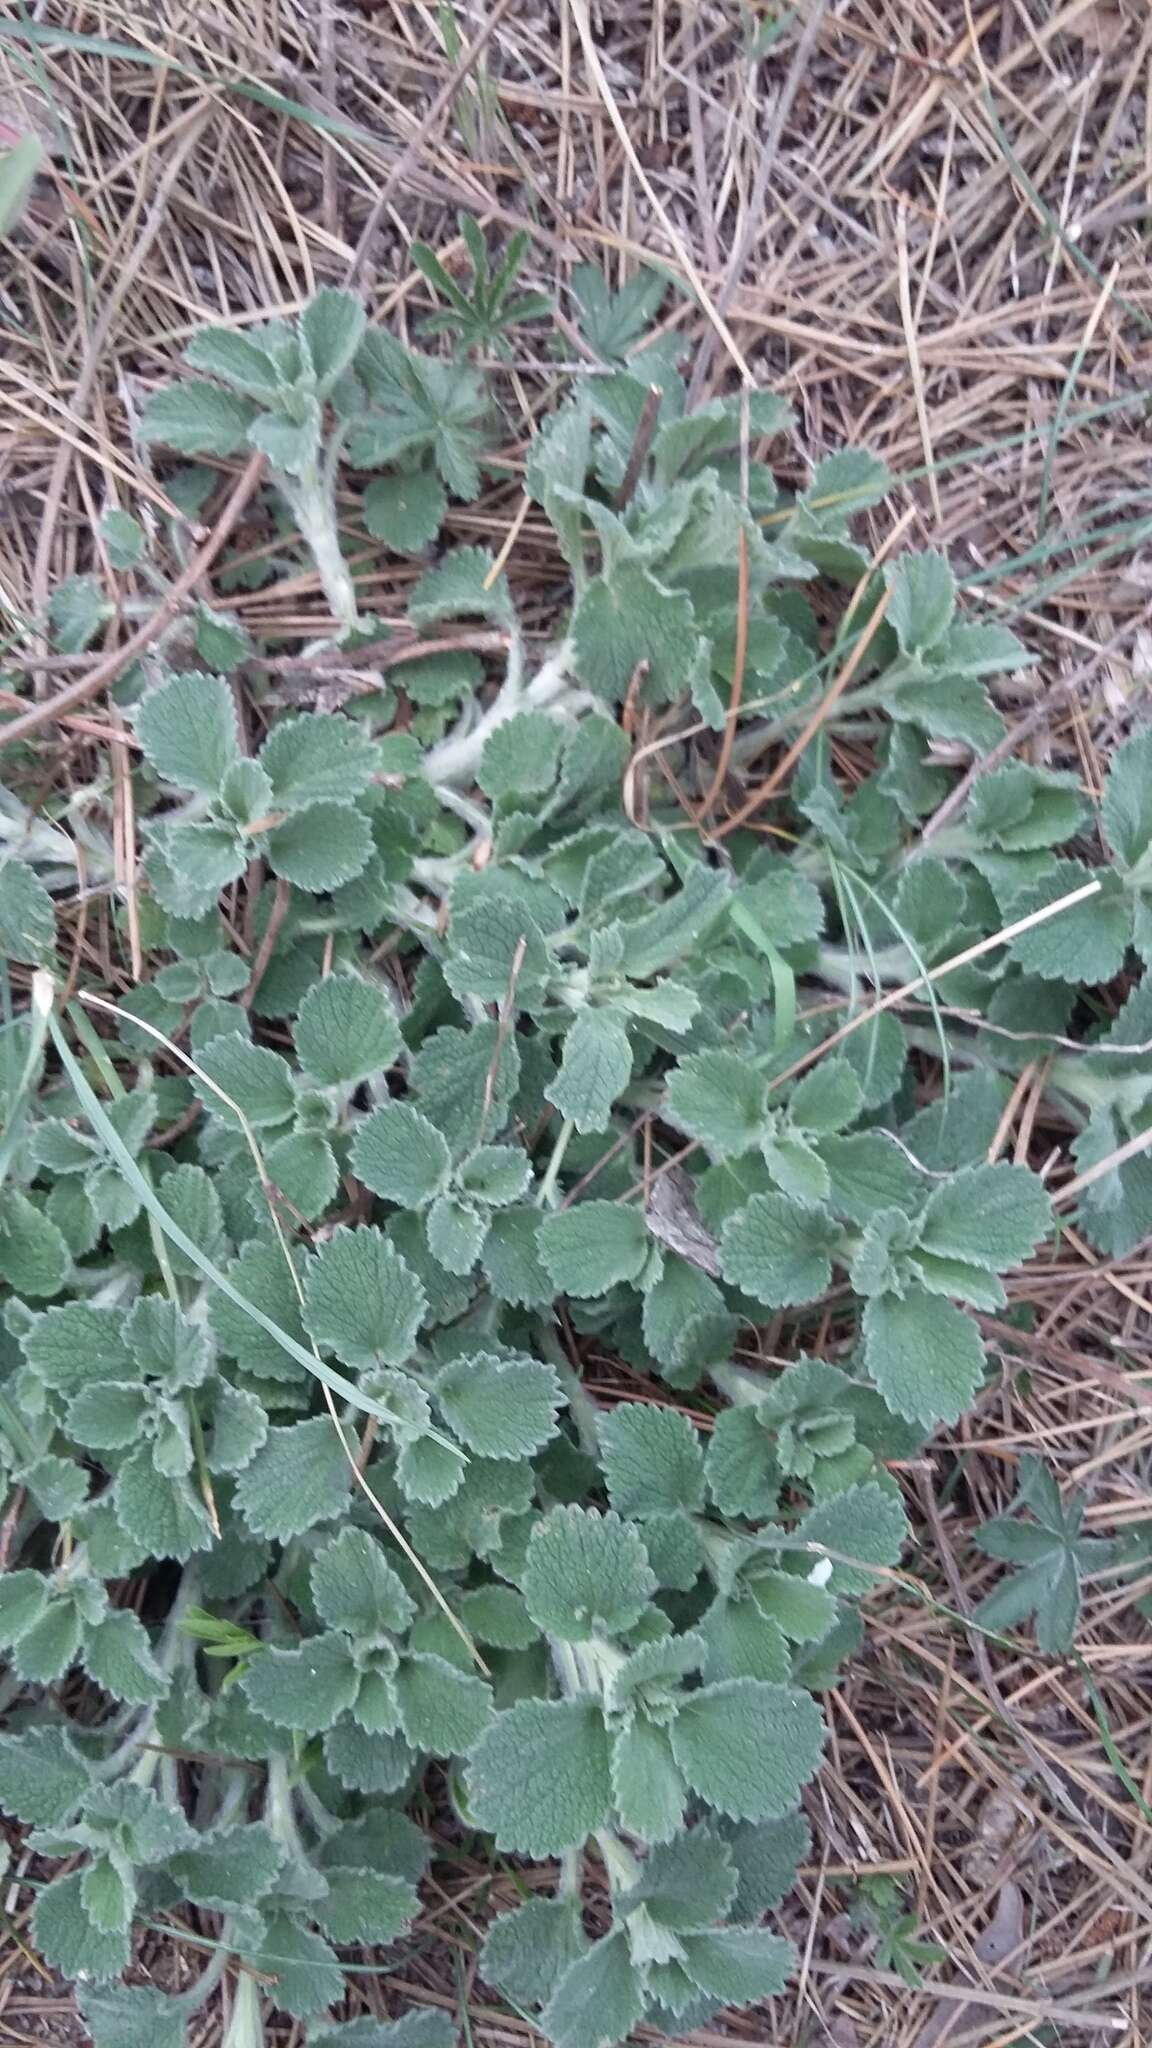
927 224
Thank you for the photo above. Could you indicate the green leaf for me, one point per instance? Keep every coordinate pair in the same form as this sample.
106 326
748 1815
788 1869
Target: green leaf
500 1407
767 1855
366 1906
526 1952
34 1254
291 445
458 587
598 1999
743 1476
442 1710
307 1688
118 1655
298 1478
648 1789
652 1460
1126 812
868 1173
77 1342
23 1599
1084 944
254 1077
27 919
77 609
321 847
456 1233
827 1099
190 864
539 1778
495 1174
779 1250
261 1276
848 481
345 1030
362 1300
628 618
406 510
187 728
161 1513
586 1574
1021 808
165 1344
107 1895
587 1249
454 1074
136 2016
429 1472
924 1354
594 1071
43 1777
923 600
306 1977
747 1747
521 757
802 1611
718 1098
69 1940
863 1524
332 327
302 1167
355 1589
417 2028
993 1216
317 757
222 643
738 1965
497 1615
196 418
19 165
237 359
511 1261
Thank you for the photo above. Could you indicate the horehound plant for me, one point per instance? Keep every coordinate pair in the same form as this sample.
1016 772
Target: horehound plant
445 1027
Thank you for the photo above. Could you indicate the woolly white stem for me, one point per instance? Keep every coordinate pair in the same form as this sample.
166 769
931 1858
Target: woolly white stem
456 759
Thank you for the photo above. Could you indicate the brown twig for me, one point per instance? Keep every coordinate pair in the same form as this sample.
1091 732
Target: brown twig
114 664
